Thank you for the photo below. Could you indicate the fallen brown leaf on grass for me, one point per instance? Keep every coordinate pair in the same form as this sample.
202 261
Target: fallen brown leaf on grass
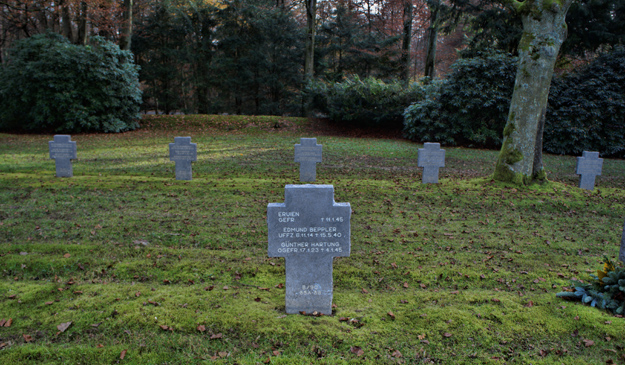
63 326
275 353
405 285
357 351
48 303
67 255
3 345
100 346
27 338
214 337
9 322
396 354
123 354
588 343
447 334
164 328
201 328
390 314
222 354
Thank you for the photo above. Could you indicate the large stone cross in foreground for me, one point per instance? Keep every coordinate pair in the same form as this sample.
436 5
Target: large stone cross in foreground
588 166
309 229
308 154
182 151
431 158
63 151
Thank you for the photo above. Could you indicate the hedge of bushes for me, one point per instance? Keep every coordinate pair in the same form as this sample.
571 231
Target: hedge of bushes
365 102
586 108
51 85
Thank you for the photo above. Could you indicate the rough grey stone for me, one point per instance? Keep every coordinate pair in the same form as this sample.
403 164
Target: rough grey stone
182 151
588 167
431 158
621 254
63 151
308 154
309 229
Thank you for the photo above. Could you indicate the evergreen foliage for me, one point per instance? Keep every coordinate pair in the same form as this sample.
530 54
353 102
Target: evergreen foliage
364 102
587 108
469 107
50 84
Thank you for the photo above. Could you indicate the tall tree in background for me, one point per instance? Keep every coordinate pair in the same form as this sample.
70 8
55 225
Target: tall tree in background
126 32
407 39
309 57
432 35
544 31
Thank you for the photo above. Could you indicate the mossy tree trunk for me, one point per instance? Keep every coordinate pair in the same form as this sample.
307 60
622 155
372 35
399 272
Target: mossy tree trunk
544 30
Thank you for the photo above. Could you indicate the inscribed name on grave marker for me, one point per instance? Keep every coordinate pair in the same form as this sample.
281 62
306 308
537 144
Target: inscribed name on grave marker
588 167
183 152
63 151
309 229
308 154
431 158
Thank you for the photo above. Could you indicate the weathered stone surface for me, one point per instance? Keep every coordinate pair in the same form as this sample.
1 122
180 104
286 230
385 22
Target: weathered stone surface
309 229
308 154
63 151
588 167
431 158
621 254
183 152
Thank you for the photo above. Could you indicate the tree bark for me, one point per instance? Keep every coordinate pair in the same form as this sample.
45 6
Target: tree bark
430 54
66 19
126 36
309 59
544 30
83 31
406 41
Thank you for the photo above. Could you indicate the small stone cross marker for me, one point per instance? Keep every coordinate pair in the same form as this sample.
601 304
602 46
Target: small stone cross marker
182 152
63 151
309 229
431 158
588 166
308 154
621 255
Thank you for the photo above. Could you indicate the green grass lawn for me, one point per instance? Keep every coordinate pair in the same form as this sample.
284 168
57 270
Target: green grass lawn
156 270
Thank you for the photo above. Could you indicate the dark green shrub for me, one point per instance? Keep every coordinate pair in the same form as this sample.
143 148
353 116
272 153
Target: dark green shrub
368 102
587 108
50 84
470 107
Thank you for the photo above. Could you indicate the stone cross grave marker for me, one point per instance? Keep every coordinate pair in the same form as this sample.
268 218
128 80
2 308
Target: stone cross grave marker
309 229
588 166
308 154
621 254
182 152
431 158
63 151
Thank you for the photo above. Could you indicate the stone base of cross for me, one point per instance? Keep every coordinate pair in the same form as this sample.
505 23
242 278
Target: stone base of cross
309 229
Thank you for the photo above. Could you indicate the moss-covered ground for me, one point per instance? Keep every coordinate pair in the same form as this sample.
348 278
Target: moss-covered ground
154 270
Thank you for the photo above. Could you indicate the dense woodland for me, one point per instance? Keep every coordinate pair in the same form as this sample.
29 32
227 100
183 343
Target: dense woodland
248 56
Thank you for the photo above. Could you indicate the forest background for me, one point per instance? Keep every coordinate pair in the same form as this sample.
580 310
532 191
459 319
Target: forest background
371 59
